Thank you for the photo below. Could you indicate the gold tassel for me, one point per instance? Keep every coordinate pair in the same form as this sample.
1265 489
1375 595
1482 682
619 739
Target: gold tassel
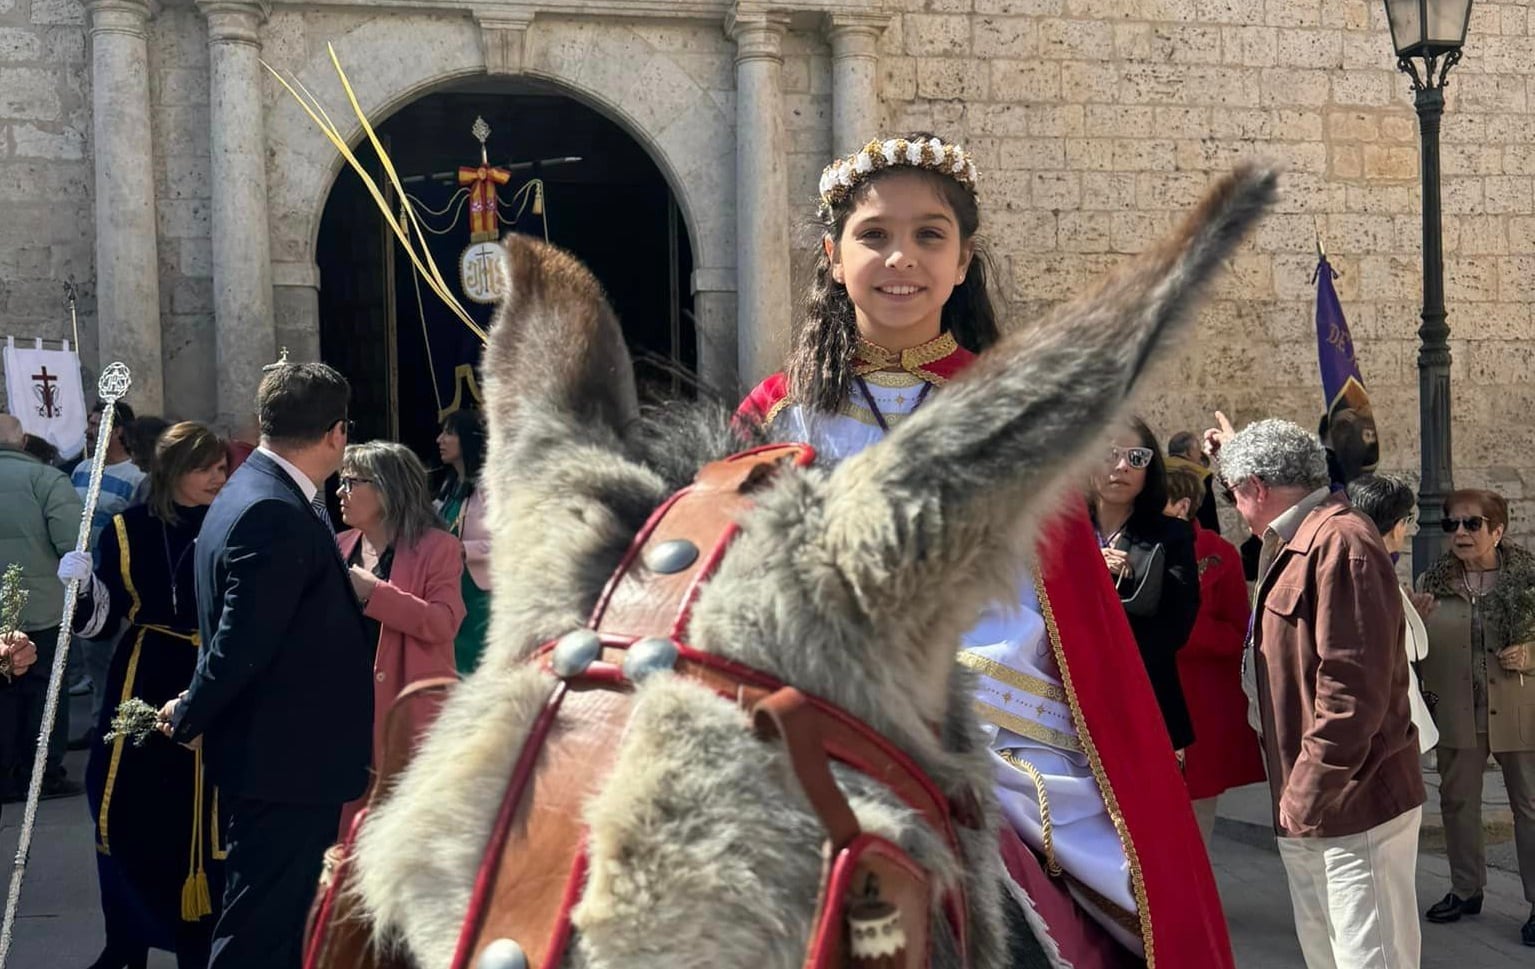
538 198
196 899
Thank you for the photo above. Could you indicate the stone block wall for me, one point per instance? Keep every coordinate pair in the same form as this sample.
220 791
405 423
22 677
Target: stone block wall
1098 122
178 96
46 203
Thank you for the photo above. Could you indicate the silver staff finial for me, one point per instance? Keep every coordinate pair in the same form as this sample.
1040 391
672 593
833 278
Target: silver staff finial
481 132
114 383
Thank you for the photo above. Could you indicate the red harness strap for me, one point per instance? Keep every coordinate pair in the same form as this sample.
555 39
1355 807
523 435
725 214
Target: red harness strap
569 752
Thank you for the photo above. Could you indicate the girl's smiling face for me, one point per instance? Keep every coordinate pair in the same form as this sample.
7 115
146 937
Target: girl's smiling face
900 256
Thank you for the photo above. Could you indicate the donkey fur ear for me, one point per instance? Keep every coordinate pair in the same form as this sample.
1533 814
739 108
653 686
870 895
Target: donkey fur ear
555 343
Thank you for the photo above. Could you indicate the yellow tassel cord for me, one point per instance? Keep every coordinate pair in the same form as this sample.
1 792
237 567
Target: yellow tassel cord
196 900
428 268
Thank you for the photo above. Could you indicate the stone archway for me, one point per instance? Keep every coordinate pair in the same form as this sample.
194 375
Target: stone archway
609 66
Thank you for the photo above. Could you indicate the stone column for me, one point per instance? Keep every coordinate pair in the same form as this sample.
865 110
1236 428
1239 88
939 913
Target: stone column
714 328
762 191
127 262
244 337
854 80
296 309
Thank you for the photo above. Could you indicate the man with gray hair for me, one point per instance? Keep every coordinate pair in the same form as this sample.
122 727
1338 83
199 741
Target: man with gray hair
1326 680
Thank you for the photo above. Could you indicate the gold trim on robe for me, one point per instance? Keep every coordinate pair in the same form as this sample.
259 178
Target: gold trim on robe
893 379
103 844
1110 801
871 357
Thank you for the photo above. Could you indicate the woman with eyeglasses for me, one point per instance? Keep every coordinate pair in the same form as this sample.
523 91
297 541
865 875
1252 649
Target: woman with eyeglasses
1476 603
1150 557
405 570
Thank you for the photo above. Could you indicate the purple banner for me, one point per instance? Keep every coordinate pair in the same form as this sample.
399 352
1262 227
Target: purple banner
1351 433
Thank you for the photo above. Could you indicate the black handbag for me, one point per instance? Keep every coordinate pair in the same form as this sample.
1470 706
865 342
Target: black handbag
1146 596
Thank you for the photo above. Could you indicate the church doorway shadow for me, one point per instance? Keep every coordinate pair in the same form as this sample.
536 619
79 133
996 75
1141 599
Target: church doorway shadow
410 360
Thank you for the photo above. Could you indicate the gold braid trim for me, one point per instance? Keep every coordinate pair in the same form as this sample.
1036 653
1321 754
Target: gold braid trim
871 357
774 411
1047 830
892 379
1048 736
103 844
219 853
124 565
1125 920
1110 802
1032 685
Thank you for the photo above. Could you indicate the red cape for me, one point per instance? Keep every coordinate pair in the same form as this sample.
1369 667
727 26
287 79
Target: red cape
1120 724
1121 727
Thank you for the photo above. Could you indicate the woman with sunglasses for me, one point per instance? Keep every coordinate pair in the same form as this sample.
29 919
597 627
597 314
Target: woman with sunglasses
1476 603
406 571
1151 560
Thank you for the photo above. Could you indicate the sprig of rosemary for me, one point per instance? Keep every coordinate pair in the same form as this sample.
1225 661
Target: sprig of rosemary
13 599
135 720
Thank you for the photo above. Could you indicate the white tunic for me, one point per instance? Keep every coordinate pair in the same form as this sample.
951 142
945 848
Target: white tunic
1022 701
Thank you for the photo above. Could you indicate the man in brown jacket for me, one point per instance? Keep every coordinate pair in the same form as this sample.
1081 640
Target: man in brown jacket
1326 680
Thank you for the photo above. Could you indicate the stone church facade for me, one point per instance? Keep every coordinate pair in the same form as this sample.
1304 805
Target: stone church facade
146 154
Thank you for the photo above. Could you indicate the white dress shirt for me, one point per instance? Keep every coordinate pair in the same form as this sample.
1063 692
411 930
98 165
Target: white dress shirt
309 488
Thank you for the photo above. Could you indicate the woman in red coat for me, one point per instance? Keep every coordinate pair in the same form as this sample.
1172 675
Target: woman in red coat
1225 751
406 569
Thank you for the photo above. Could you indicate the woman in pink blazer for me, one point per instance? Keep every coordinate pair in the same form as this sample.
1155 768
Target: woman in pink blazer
406 569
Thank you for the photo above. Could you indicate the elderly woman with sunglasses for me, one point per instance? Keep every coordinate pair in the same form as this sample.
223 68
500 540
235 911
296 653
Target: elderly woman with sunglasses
1476 603
1150 557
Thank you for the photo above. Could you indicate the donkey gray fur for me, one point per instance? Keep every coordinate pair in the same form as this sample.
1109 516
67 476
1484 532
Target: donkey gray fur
853 583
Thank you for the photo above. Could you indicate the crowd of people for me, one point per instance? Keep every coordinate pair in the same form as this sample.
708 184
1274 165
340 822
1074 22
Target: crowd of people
215 832
1338 680
273 644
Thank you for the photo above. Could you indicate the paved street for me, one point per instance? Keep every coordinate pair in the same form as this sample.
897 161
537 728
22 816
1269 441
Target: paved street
1257 903
60 925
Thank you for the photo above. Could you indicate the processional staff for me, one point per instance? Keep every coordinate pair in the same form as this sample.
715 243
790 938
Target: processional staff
113 385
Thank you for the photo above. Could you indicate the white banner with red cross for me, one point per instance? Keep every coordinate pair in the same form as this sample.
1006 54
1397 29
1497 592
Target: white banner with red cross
43 390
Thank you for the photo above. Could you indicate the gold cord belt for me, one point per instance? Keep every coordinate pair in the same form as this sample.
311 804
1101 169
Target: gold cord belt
1047 830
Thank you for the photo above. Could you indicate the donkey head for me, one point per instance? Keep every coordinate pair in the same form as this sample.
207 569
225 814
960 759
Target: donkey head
841 578
853 583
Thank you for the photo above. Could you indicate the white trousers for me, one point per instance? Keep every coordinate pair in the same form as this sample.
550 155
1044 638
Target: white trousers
1356 897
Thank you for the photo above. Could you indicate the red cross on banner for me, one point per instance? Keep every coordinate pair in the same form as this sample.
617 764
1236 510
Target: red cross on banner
45 392
483 218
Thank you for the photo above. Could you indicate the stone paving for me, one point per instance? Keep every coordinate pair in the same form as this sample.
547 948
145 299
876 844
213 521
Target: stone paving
60 924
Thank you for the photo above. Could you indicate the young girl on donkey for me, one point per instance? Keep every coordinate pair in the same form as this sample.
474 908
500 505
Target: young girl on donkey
1103 846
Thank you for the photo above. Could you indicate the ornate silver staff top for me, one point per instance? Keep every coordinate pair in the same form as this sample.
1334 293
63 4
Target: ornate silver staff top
114 383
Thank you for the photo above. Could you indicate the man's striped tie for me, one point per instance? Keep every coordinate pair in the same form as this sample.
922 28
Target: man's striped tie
318 504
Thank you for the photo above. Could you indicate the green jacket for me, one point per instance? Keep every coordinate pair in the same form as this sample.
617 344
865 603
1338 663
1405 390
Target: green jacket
39 523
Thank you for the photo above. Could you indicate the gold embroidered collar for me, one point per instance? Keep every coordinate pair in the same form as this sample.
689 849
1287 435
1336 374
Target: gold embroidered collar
869 357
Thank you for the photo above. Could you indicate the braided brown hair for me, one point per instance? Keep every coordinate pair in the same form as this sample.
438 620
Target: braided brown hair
817 370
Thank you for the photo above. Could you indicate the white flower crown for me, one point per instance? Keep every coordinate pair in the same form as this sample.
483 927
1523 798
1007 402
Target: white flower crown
841 176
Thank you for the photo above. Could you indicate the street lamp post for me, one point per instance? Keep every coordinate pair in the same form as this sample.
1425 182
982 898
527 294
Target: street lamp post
1433 32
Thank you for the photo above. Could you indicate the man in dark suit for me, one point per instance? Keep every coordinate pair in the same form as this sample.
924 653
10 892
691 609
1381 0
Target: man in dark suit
282 699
